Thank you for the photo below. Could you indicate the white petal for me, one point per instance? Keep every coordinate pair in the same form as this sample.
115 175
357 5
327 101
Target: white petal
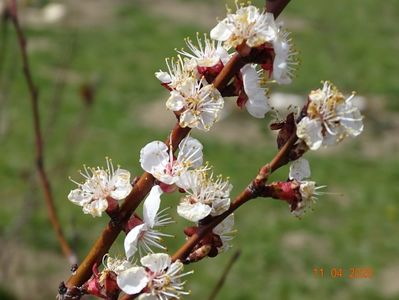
154 155
250 79
77 196
193 212
175 102
121 184
280 70
151 205
190 150
163 77
299 169
223 54
221 32
96 208
132 280
157 262
188 119
219 206
258 109
225 226
310 131
352 121
252 13
186 180
132 239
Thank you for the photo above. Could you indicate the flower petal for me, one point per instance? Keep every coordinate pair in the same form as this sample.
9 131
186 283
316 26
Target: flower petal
132 239
157 262
190 151
311 132
154 155
132 280
219 206
164 77
299 169
175 102
121 184
225 226
151 205
193 212
96 207
221 32
79 197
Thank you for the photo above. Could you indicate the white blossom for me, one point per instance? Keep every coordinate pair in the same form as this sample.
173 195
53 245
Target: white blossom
200 103
300 171
160 277
144 236
226 232
246 24
157 160
257 104
179 70
206 54
99 185
205 195
330 118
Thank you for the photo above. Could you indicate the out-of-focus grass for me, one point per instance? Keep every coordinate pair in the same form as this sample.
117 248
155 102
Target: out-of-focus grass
343 41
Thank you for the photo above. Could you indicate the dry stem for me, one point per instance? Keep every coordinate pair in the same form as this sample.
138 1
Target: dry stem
39 161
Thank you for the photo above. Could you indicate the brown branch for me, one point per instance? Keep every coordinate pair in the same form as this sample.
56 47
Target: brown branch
226 271
143 186
34 97
276 6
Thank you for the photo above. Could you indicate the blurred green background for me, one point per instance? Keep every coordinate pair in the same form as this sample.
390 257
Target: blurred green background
109 51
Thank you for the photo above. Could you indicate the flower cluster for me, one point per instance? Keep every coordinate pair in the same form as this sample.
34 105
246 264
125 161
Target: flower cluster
269 56
189 77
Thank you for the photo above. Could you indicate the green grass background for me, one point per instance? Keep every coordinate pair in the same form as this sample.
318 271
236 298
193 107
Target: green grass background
353 43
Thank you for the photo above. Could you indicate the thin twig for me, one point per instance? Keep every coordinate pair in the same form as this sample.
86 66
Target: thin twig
33 91
222 278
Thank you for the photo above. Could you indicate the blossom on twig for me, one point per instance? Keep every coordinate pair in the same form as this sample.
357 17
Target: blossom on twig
299 172
155 159
246 24
100 187
158 278
205 195
330 118
200 103
207 56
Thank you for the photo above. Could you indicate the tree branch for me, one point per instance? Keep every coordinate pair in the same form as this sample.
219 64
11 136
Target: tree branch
146 181
39 156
